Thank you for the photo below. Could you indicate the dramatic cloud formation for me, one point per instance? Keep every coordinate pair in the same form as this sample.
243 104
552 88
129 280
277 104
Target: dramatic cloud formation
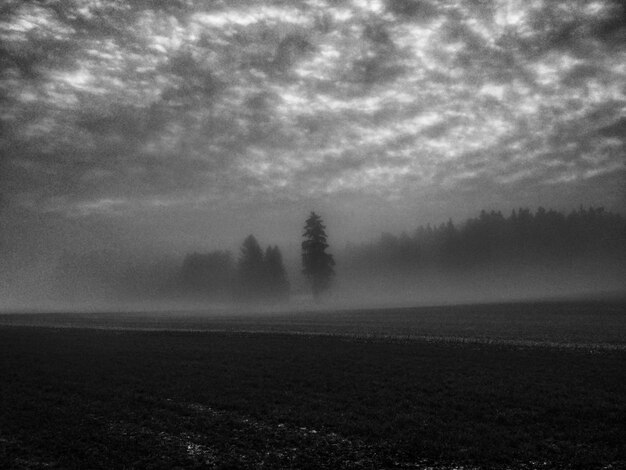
145 107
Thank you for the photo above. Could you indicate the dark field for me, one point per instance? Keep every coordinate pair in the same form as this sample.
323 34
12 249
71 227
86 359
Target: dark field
87 398
569 324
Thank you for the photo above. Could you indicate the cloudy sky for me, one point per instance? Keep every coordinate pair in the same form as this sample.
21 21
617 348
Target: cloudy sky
198 122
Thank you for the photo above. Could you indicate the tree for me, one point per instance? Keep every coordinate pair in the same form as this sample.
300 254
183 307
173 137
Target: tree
250 269
277 283
318 265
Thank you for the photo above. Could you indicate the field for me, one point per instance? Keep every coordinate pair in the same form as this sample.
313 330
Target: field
492 386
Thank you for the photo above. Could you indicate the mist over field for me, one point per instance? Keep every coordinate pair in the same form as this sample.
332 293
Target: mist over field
490 258
142 142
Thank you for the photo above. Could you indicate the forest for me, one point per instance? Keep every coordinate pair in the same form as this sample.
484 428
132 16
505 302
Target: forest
585 243
256 275
543 238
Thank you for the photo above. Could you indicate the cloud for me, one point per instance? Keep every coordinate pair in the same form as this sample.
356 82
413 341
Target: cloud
617 129
412 9
108 106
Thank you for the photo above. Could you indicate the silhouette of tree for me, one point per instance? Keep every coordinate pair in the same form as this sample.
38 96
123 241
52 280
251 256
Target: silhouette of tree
545 239
318 265
250 270
276 280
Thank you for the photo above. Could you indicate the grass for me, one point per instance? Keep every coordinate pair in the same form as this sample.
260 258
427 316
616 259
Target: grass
77 398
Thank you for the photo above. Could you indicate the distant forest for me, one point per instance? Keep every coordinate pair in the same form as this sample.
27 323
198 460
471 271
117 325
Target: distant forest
545 238
586 244
218 276
257 275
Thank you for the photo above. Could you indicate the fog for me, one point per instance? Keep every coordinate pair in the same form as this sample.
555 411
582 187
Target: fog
489 258
42 289
142 142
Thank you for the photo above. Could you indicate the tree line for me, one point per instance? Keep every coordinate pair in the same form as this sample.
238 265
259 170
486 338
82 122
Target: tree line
258 274
587 242
523 239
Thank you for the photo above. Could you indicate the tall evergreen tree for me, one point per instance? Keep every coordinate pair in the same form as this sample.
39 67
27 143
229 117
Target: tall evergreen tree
317 263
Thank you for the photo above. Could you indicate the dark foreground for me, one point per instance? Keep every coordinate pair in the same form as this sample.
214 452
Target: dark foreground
77 398
571 324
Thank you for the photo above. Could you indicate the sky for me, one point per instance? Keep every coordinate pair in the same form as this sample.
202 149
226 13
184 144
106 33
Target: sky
185 124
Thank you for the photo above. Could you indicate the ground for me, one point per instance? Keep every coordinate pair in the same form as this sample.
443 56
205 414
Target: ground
409 390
